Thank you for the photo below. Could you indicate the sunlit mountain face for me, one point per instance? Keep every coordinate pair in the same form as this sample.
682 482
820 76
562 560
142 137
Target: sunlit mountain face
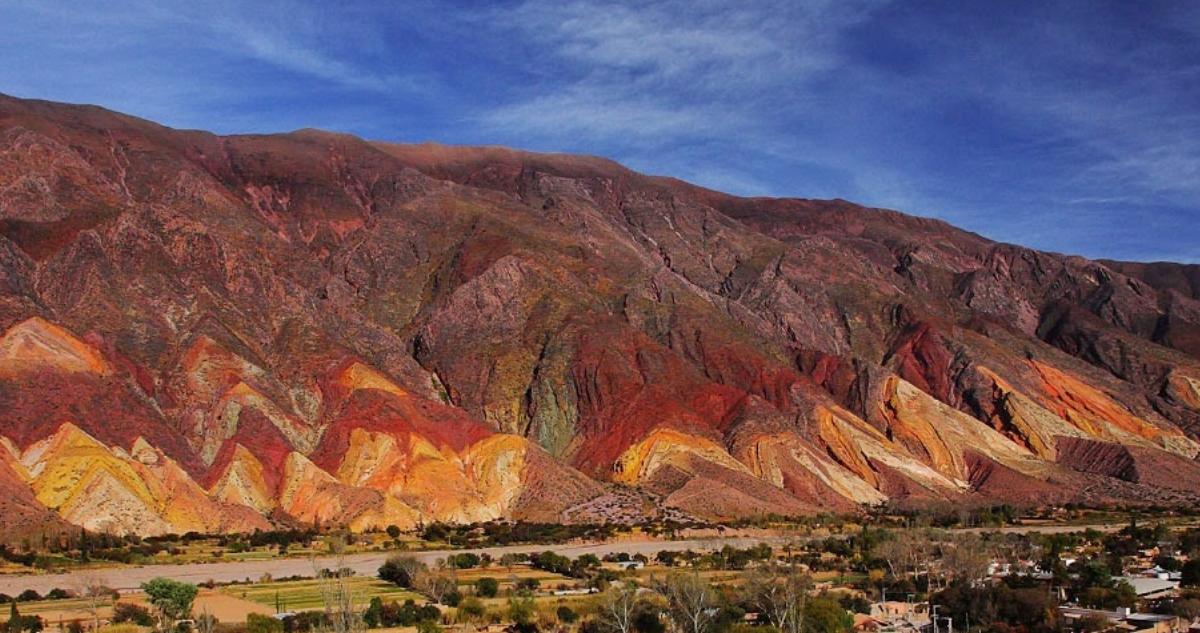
206 333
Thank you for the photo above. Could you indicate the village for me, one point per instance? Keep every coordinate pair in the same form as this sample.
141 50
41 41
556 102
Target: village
919 579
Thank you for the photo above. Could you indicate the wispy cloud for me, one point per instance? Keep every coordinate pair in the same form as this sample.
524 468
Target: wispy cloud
178 61
1070 125
668 72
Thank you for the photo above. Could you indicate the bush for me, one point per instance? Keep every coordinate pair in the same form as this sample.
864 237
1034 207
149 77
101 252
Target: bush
126 613
825 615
57 594
256 623
373 616
401 571
408 614
487 587
1191 573
24 624
120 628
472 608
18 623
465 560
593 626
566 615
528 584
29 595
521 610
305 621
646 620
172 598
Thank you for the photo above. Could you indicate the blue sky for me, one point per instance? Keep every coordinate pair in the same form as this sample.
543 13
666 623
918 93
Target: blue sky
1071 126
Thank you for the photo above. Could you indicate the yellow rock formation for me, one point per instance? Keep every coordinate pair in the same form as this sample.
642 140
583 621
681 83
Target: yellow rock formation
1184 389
1095 413
496 465
856 445
665 446
242 397
479 485
773 456
210 369
36 344
243 483
945 434
358 376
312 495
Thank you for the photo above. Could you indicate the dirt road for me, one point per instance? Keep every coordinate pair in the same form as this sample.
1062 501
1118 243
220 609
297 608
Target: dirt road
130 578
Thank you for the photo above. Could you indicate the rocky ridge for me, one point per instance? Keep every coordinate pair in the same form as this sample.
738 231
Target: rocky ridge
225 333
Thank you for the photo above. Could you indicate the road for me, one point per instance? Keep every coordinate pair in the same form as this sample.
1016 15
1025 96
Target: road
365 564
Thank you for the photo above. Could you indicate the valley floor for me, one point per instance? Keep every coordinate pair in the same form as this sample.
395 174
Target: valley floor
130 578
366 564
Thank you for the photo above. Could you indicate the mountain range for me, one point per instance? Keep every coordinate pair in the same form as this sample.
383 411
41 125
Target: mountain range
226 333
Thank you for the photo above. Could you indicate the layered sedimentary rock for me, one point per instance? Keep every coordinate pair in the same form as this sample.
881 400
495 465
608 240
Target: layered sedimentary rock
226 333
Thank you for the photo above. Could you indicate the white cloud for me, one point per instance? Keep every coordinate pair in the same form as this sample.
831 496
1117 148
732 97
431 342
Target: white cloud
657 73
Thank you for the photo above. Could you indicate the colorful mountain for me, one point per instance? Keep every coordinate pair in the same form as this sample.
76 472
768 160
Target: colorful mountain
226 333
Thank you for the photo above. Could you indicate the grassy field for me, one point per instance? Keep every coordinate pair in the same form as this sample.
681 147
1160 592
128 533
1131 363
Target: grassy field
305 595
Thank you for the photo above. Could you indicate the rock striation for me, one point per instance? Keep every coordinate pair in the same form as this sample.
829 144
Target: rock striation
216 334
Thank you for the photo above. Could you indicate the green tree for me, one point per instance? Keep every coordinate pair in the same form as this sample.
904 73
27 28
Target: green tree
402 571
393 531
823 614
487 587
18 623
373 616
171 598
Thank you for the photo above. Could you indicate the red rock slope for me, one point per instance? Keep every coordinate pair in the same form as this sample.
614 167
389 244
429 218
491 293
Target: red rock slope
220 333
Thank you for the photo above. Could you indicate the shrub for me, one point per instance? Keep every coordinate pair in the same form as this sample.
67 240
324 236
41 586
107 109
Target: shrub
646 620
256 623
373 616
465 560
305 621
120 628
566 615
172 598
472 608
401 571
1191 573
126 613
528 584
487 587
